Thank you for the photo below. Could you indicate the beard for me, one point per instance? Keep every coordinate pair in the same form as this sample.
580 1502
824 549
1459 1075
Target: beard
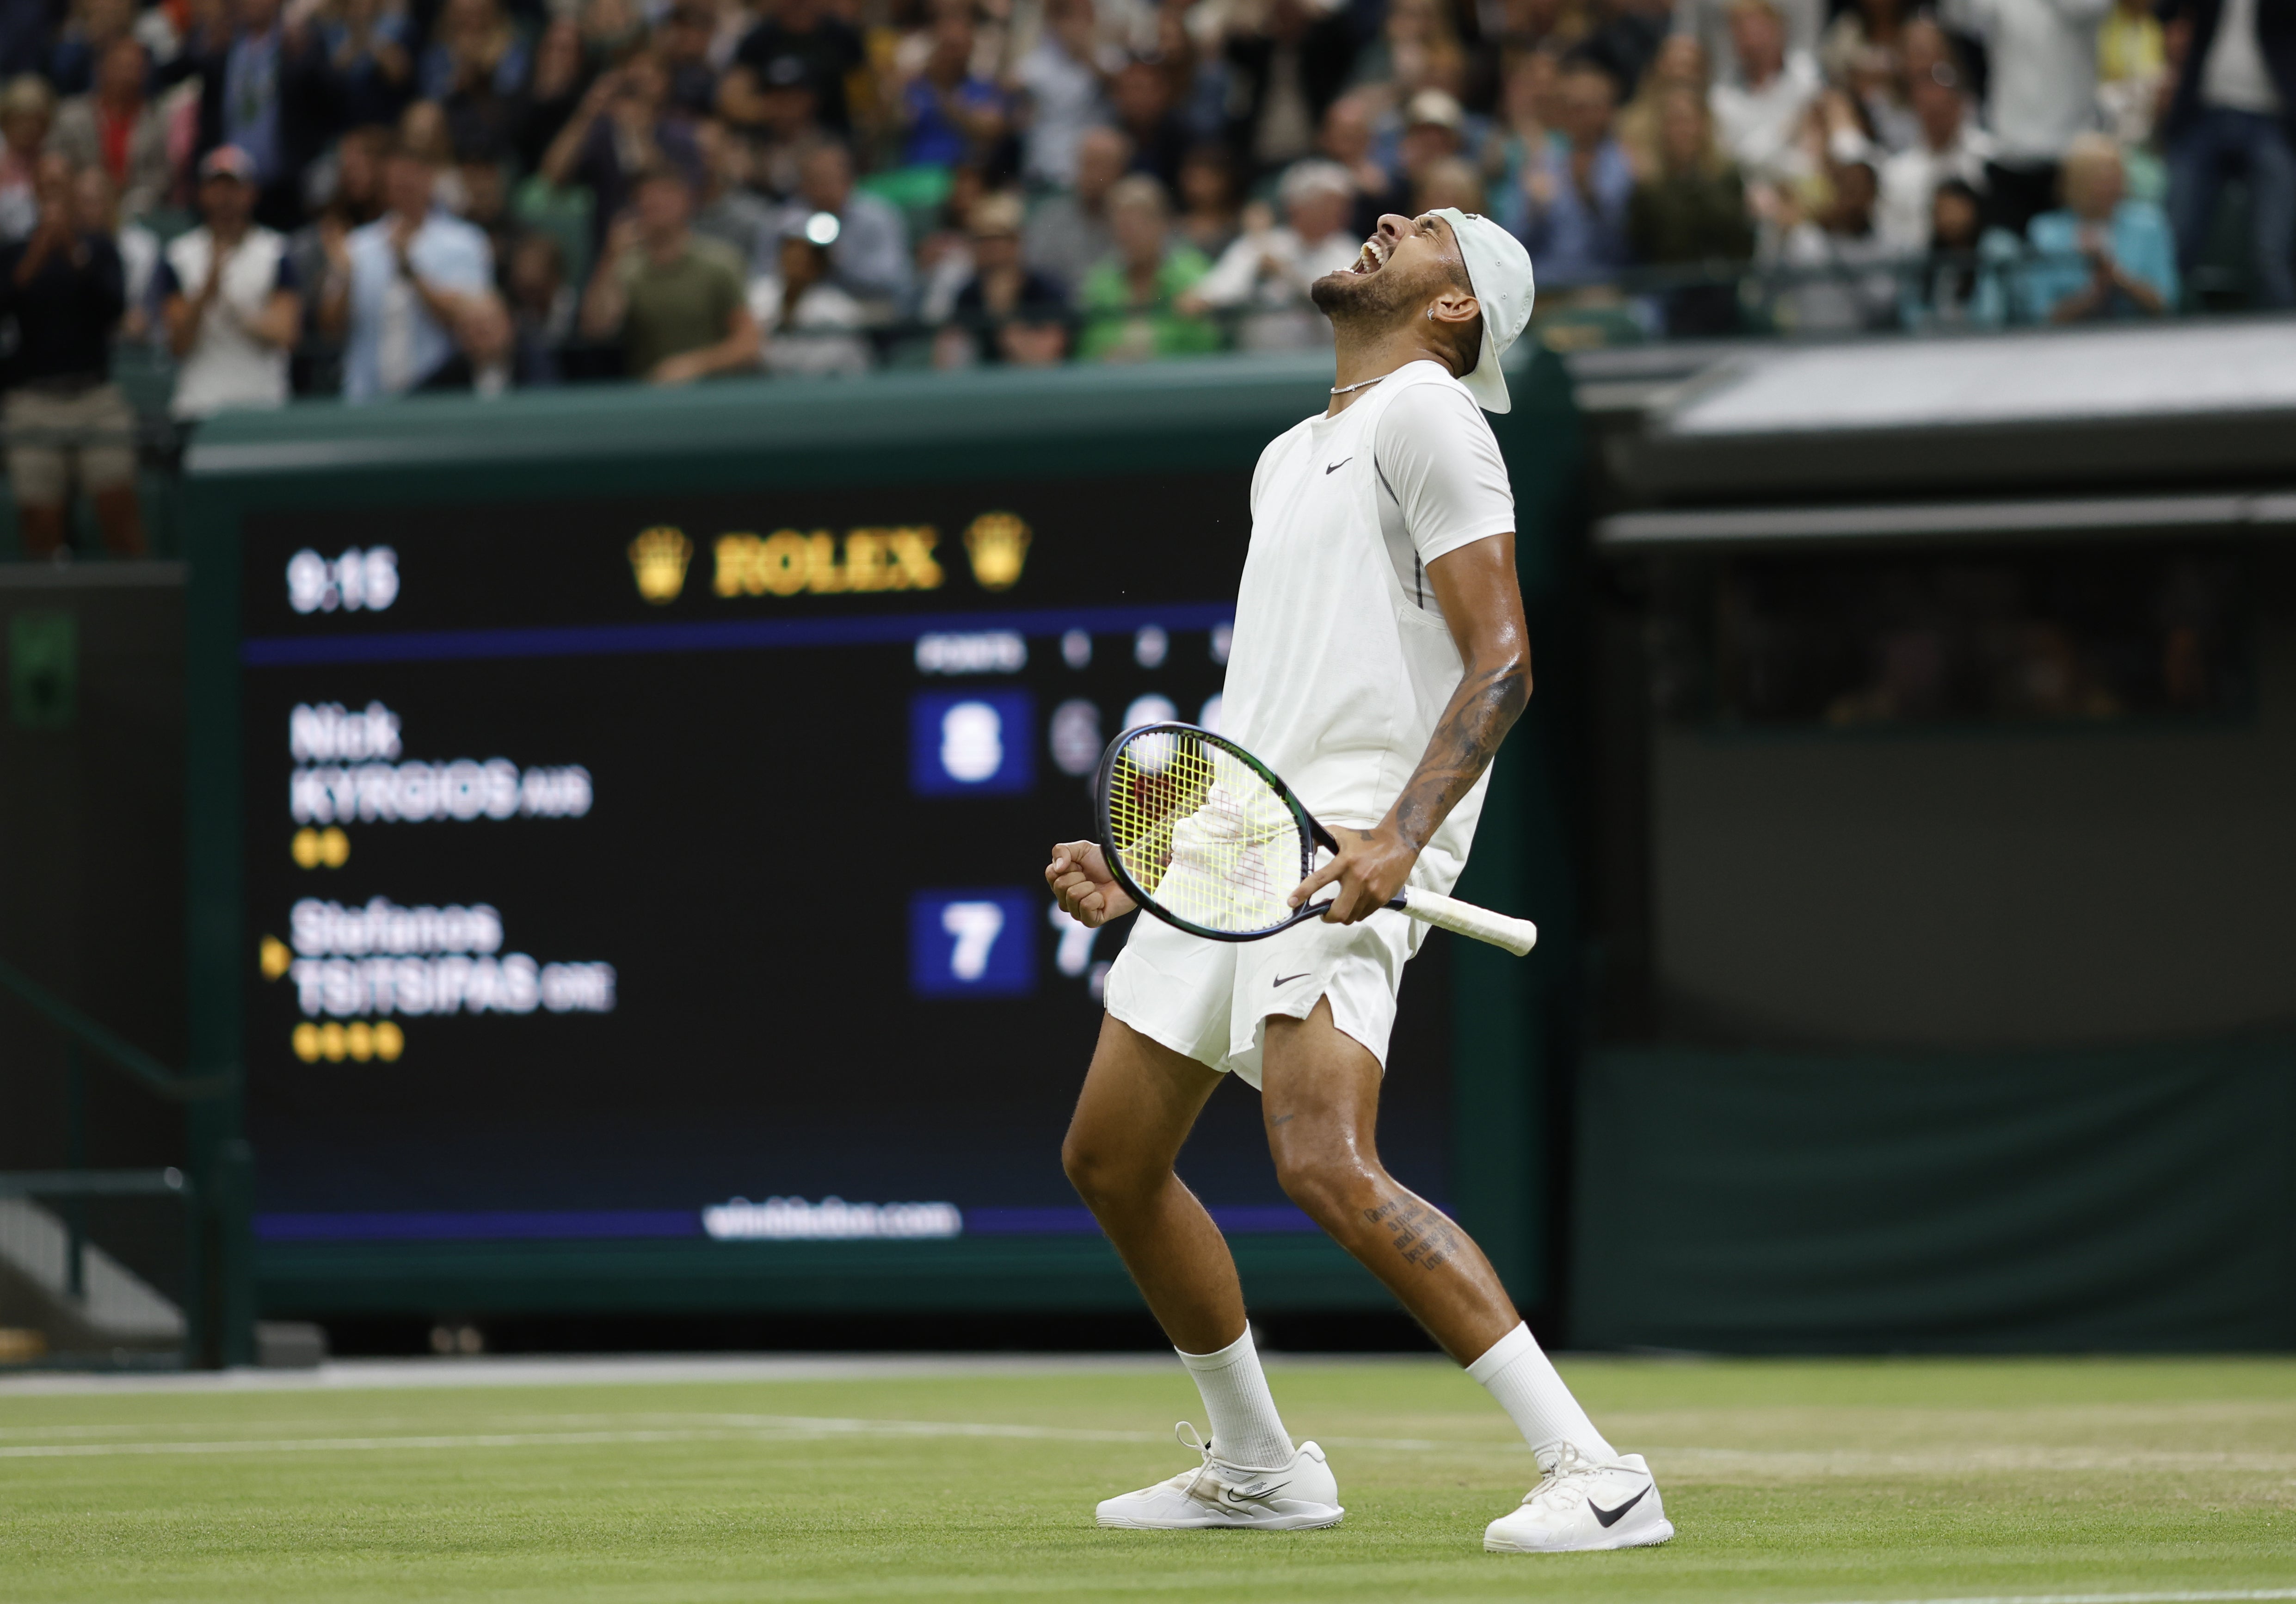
1366 303
1365 306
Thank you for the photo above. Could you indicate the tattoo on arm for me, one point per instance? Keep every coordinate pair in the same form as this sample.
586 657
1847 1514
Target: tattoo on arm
1420 1231
1482 709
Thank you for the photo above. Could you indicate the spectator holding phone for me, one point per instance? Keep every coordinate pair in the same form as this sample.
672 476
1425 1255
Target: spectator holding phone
623 127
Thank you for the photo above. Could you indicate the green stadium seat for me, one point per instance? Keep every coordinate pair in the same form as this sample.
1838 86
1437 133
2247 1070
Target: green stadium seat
562 214
920 192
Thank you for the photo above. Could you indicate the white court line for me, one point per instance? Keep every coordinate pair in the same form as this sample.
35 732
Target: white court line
761 1428
717 1427
636 1369
2179 1598
800 1426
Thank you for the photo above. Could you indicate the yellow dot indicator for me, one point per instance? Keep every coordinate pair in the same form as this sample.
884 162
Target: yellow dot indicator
331 1042
358 1039
329 848
275 957
307 1042
390 1042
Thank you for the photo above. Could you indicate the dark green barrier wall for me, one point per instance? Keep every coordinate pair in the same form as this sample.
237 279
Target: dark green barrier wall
2133 1199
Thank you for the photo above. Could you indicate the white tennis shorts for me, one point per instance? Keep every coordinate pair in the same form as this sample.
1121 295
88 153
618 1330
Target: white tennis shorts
1210 999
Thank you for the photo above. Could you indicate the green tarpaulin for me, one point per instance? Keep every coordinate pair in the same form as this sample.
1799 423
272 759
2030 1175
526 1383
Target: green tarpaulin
2122 1198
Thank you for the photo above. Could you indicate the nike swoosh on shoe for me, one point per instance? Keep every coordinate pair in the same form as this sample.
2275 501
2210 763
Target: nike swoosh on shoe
1238 1495
1610 1517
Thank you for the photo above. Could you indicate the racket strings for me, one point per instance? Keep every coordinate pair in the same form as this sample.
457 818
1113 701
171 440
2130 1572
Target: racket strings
1202 833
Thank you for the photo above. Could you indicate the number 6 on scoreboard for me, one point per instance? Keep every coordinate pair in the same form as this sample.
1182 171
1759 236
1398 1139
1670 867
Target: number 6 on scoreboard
1204 835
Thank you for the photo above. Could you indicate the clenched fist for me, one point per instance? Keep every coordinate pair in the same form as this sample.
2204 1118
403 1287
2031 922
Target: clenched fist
1087 893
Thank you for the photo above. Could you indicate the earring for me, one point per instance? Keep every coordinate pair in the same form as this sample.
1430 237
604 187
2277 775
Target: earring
1431 314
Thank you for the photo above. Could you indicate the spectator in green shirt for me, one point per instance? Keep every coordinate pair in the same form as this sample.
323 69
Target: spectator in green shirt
1128 300
678 302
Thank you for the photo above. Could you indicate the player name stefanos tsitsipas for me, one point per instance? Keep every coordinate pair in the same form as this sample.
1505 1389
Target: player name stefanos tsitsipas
349 769
387 959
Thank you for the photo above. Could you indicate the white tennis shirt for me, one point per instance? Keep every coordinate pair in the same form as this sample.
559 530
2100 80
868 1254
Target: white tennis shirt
1342 663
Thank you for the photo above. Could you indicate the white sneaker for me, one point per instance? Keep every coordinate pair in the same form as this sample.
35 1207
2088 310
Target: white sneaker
1584 1505
1217 1494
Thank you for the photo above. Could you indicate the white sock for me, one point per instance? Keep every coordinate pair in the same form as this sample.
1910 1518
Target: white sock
1523 1381
1246 1430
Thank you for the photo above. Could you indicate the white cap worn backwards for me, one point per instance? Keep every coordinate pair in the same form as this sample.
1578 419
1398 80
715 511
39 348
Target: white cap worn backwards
1498 271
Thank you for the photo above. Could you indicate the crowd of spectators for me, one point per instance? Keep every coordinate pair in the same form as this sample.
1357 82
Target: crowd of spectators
385 196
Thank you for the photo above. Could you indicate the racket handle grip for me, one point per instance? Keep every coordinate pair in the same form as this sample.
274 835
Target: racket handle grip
1517 936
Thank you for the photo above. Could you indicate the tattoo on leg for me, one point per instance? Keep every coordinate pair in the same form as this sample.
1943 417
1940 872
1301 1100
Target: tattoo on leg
1420 1232
1283 1119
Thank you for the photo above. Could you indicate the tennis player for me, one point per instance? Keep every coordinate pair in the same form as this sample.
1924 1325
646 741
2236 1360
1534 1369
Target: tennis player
1380 656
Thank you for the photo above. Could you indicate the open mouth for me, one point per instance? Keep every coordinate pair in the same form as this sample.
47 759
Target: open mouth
1376 253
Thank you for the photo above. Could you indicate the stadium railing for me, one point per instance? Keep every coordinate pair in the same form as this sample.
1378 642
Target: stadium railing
208 1235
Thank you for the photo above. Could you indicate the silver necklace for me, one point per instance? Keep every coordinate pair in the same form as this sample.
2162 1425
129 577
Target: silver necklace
1340 390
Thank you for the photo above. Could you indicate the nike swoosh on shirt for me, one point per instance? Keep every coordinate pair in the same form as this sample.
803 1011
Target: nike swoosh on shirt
1285 980
1610 1517
1336 466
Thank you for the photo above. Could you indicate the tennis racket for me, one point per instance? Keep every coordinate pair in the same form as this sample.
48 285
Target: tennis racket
1204 835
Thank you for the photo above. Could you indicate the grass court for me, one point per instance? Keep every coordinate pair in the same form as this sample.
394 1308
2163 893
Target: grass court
1791 1481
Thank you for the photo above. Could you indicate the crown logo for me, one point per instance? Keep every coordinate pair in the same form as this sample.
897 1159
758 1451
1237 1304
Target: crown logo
658 558
998 545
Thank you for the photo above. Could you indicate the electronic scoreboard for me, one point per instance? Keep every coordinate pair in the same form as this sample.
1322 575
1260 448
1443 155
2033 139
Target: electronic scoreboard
668 868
